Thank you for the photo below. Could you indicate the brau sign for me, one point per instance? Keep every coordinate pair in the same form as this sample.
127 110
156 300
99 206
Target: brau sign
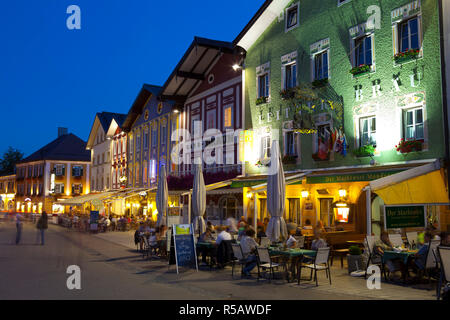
404 217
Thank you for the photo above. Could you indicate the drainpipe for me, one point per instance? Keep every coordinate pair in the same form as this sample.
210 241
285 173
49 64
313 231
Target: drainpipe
368 210
444 93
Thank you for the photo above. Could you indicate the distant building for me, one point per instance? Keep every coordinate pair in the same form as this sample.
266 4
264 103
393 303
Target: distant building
7 192
106 151
59 170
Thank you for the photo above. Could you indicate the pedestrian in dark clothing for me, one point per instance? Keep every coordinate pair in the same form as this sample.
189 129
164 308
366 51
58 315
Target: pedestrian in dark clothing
42 225
19 224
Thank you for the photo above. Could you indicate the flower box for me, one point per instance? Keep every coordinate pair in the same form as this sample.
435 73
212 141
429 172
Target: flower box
320 83
364 151
287 94
261 100
360 70
406 56
409 145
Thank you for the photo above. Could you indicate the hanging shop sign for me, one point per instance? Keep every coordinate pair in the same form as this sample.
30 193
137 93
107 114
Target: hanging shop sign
404 217
356 177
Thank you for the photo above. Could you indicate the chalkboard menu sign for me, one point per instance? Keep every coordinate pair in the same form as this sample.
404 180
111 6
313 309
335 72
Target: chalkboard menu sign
93 220
404 217
182 247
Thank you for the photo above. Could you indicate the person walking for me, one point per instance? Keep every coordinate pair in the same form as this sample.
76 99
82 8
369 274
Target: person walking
42 225
19 225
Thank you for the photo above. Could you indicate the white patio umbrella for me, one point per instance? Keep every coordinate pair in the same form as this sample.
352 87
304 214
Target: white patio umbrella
161 196
276 194
199 199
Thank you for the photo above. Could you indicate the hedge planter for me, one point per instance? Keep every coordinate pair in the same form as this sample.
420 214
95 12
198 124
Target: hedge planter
407 146
289 159
406 56
261 100
360 70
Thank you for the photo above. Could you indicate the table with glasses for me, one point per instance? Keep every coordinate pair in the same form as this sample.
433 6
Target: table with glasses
405 256
291 257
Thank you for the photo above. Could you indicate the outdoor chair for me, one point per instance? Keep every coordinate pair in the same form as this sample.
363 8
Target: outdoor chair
238 257
412 238
444 258
396 239
265 242
265 261
224 253
430 260
320 262
372 256
441 272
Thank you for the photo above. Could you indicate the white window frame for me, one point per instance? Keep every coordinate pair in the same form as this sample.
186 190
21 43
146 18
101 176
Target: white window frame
267 84
396 33
284 74
294 143
286 28
404 125
353 48
265 146
313 64
362 118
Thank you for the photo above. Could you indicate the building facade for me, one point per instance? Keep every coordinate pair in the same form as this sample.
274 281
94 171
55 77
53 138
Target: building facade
206 84
342 85
7 192
103 143
59 170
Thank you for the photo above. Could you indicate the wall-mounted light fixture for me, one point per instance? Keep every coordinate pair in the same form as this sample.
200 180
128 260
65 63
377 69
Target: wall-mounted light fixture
305 194
342 193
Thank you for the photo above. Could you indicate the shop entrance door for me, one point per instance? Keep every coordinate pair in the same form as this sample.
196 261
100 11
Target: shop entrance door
326 212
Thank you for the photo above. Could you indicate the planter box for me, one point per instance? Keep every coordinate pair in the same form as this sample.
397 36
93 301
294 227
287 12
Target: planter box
405 59
360 74
354 263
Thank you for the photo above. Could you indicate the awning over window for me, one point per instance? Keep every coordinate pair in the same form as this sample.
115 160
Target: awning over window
421 185
83 199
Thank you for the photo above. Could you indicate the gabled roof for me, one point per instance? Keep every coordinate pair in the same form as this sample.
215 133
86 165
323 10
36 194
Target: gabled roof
106 118
269 11
193 67
67 147
146 92
103 119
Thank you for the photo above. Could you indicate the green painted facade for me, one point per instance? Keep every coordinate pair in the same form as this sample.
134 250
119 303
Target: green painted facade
319 20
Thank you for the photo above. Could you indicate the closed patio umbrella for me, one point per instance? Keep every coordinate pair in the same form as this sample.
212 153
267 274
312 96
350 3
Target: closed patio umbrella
199 199
161 196
276 194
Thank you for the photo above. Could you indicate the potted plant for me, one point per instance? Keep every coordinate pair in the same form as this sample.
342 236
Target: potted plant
406 56
354 259
360 70
364 151
261 100
409 145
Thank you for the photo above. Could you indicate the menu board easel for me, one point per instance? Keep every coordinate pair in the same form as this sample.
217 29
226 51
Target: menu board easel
182 247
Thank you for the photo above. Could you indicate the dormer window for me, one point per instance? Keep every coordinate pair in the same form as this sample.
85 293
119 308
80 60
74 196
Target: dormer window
292 17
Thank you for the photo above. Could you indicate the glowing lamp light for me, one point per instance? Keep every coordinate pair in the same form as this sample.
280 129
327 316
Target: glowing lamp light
305 194
342 193
249 195
236 67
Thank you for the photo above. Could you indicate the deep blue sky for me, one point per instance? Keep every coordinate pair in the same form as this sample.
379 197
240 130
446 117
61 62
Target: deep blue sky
51 76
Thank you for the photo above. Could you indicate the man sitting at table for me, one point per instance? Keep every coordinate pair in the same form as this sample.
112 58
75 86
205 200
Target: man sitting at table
291 241
384 244
249 245
318 241
223 234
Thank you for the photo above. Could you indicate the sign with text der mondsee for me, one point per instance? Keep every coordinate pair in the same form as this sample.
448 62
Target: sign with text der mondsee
404 217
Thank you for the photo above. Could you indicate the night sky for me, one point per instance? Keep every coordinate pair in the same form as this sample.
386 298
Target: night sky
51 76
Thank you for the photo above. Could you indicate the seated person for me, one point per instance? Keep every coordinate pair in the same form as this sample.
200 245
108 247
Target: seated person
249 245
210 226
445 239
223 235
261 232
298 232
421 256
382 245
206 236
291 241
291 225
319 226
241 231
318 241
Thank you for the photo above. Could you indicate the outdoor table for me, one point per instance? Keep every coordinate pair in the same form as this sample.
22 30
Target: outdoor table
292 255
404 256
